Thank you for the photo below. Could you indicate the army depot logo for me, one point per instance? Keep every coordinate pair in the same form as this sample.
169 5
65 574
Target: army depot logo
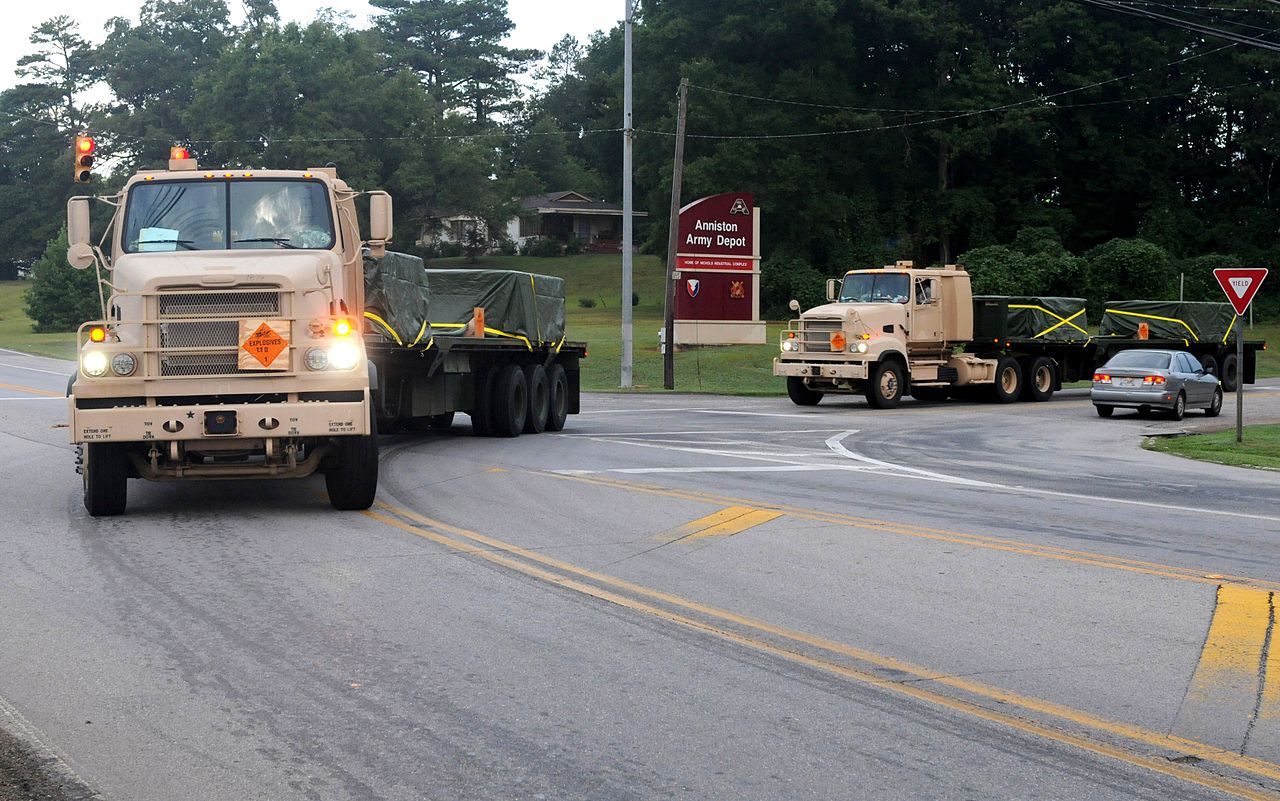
740 207
693 286
737 290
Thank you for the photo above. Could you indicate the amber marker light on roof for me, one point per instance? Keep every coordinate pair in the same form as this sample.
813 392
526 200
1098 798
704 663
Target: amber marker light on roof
179 153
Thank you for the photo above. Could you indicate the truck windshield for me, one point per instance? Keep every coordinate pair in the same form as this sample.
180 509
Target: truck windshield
875 288
227 215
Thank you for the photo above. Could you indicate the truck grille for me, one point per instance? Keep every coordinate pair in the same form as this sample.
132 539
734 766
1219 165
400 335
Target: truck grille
216 328
815 335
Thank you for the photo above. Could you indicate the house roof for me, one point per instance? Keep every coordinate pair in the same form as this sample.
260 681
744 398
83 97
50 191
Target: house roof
572 203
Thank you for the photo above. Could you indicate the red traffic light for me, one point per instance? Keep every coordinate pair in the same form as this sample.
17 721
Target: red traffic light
85 145
82 158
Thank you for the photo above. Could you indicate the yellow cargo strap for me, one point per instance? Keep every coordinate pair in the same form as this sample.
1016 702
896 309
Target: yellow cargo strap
1061 320
560 344
488 330
1163 319
418 338
1234 317
385 327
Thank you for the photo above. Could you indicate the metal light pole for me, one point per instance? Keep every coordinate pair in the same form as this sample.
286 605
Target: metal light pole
628 140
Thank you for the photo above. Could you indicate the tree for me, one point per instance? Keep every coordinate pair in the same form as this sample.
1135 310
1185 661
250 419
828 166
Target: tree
63 65
61 297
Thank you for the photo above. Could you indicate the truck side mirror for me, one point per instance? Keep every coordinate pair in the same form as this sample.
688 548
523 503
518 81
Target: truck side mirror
379 222
794 305
79 251
833 289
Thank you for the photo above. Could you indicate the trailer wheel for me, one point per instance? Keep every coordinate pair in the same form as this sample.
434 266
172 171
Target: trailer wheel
105 468
558 398
535 377
509 404
884 390
1210 366
1008 384
1040 380
800 394
353 481
479 410
1229 373
1215 406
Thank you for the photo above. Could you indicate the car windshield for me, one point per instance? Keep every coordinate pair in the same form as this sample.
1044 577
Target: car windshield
227 215
1142 359
875 288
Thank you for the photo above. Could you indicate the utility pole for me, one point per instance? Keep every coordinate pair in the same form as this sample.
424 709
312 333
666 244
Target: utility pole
628 141
673 233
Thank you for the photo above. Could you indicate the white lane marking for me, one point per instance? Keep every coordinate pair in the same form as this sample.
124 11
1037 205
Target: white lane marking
34 398
716 431
908 472
35 369
700 411
781 468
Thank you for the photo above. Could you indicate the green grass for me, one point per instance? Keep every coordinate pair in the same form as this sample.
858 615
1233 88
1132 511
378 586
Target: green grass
1261 447
15 327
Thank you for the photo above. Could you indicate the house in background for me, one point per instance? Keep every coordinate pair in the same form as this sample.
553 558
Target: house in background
562 216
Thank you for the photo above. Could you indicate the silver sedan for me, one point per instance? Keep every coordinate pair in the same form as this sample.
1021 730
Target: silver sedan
1171 380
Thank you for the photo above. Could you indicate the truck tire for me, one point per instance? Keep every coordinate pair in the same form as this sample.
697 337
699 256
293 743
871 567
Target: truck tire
509 402
884 390
479 410
558 398
105 468
1229 373
352 481
1209 364
1040 379
1008 384
535 420
800 394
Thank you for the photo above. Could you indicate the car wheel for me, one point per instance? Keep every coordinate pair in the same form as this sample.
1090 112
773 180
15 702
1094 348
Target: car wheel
884 390
800 394
1215 405
1179 410
1105 411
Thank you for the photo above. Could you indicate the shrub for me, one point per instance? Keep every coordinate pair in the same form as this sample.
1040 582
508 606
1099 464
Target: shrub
587 303
449 250
573 247
542 247
61 297
785 276
1129 269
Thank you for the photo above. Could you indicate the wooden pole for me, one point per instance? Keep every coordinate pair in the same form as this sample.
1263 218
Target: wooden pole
669 303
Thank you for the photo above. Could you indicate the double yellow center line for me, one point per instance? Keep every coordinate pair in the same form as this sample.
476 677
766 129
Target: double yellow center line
1133 745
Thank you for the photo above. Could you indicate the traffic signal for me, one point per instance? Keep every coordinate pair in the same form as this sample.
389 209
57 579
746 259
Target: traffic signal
82 159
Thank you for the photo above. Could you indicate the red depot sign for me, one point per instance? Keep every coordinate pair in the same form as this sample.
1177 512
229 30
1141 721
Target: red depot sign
721 225
1240 284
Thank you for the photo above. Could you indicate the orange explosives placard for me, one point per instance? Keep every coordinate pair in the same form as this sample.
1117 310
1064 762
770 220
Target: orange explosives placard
261 342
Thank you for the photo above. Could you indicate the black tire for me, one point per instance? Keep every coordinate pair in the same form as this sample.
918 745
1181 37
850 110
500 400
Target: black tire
535 379
440 422
1228 373
1144 411
558 398
1008 383
930 394
884 390
1040 379
352 481
800 394
1105 411
106 478
1209 364
1179 409
1215 406
509 403
479 411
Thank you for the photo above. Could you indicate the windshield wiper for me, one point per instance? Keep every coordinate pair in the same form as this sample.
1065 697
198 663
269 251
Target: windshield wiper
189 244
282 241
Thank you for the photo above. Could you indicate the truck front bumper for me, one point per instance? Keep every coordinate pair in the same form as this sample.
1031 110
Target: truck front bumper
831 371
98 420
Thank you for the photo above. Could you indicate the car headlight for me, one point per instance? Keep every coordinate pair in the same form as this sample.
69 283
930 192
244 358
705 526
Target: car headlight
94 363
123 364
317 359
344 355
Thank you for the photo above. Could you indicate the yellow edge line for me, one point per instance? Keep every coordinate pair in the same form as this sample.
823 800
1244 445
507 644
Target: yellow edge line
1134 733
940 535
45 392
747 518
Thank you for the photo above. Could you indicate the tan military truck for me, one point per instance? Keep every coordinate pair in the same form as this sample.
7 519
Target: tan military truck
249 331
920 331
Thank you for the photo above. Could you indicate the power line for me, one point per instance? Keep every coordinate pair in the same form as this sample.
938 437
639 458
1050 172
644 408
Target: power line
1195 27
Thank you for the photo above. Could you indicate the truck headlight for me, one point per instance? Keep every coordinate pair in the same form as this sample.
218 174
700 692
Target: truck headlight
94 363
861 347
788 345
317 359
123 364
344 355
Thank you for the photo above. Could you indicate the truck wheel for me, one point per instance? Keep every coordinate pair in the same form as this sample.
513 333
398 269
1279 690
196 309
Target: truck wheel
509 403
106 478
1008 384
353 481
1105 411
557 397
535 420
800 394
1228 373
1040 380
884 390
479 410
1215 405
1179 409
1210 366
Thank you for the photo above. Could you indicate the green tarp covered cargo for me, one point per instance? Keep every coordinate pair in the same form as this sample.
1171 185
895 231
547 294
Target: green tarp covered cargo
410 304
1005 317
1168 319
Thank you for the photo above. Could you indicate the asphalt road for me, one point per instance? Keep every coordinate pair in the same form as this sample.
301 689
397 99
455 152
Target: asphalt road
677 597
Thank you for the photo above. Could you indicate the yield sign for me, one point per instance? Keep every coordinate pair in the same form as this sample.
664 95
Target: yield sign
1240 284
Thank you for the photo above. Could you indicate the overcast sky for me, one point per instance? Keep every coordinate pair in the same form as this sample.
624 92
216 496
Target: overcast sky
538 23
